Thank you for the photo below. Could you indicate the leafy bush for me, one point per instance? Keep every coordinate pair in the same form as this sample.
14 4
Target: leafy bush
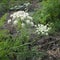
17 47
49 13
10 45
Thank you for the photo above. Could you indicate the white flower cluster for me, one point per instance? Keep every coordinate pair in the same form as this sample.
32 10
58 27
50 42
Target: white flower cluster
21 15
42 29
26 19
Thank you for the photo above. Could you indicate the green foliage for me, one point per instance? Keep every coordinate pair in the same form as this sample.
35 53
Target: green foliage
36 17
4 7
18 45
49 13
19 25
3 19
3 34
6 4
10 45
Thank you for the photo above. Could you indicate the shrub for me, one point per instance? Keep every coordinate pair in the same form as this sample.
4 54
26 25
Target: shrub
49 13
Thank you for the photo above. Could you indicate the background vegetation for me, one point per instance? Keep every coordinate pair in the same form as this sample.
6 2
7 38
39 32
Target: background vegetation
24 46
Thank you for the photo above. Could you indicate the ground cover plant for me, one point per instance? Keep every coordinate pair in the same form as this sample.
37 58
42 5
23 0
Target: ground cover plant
30 30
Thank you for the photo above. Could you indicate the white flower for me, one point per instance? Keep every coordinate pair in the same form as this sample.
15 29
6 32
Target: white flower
43 29
38 25
32 24
15 22
15 6
14 17
43 32
38 33
22 18
11 15
29 17
46 33
9 21
42 25
26 14
35 25
28 21
23 25
20 14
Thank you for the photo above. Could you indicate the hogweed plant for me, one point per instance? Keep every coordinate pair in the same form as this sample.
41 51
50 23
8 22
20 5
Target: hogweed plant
23 16
26 20
42 29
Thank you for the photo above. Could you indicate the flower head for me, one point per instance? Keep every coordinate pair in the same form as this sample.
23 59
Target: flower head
15 22
43 29
23 25
9 21
28 21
